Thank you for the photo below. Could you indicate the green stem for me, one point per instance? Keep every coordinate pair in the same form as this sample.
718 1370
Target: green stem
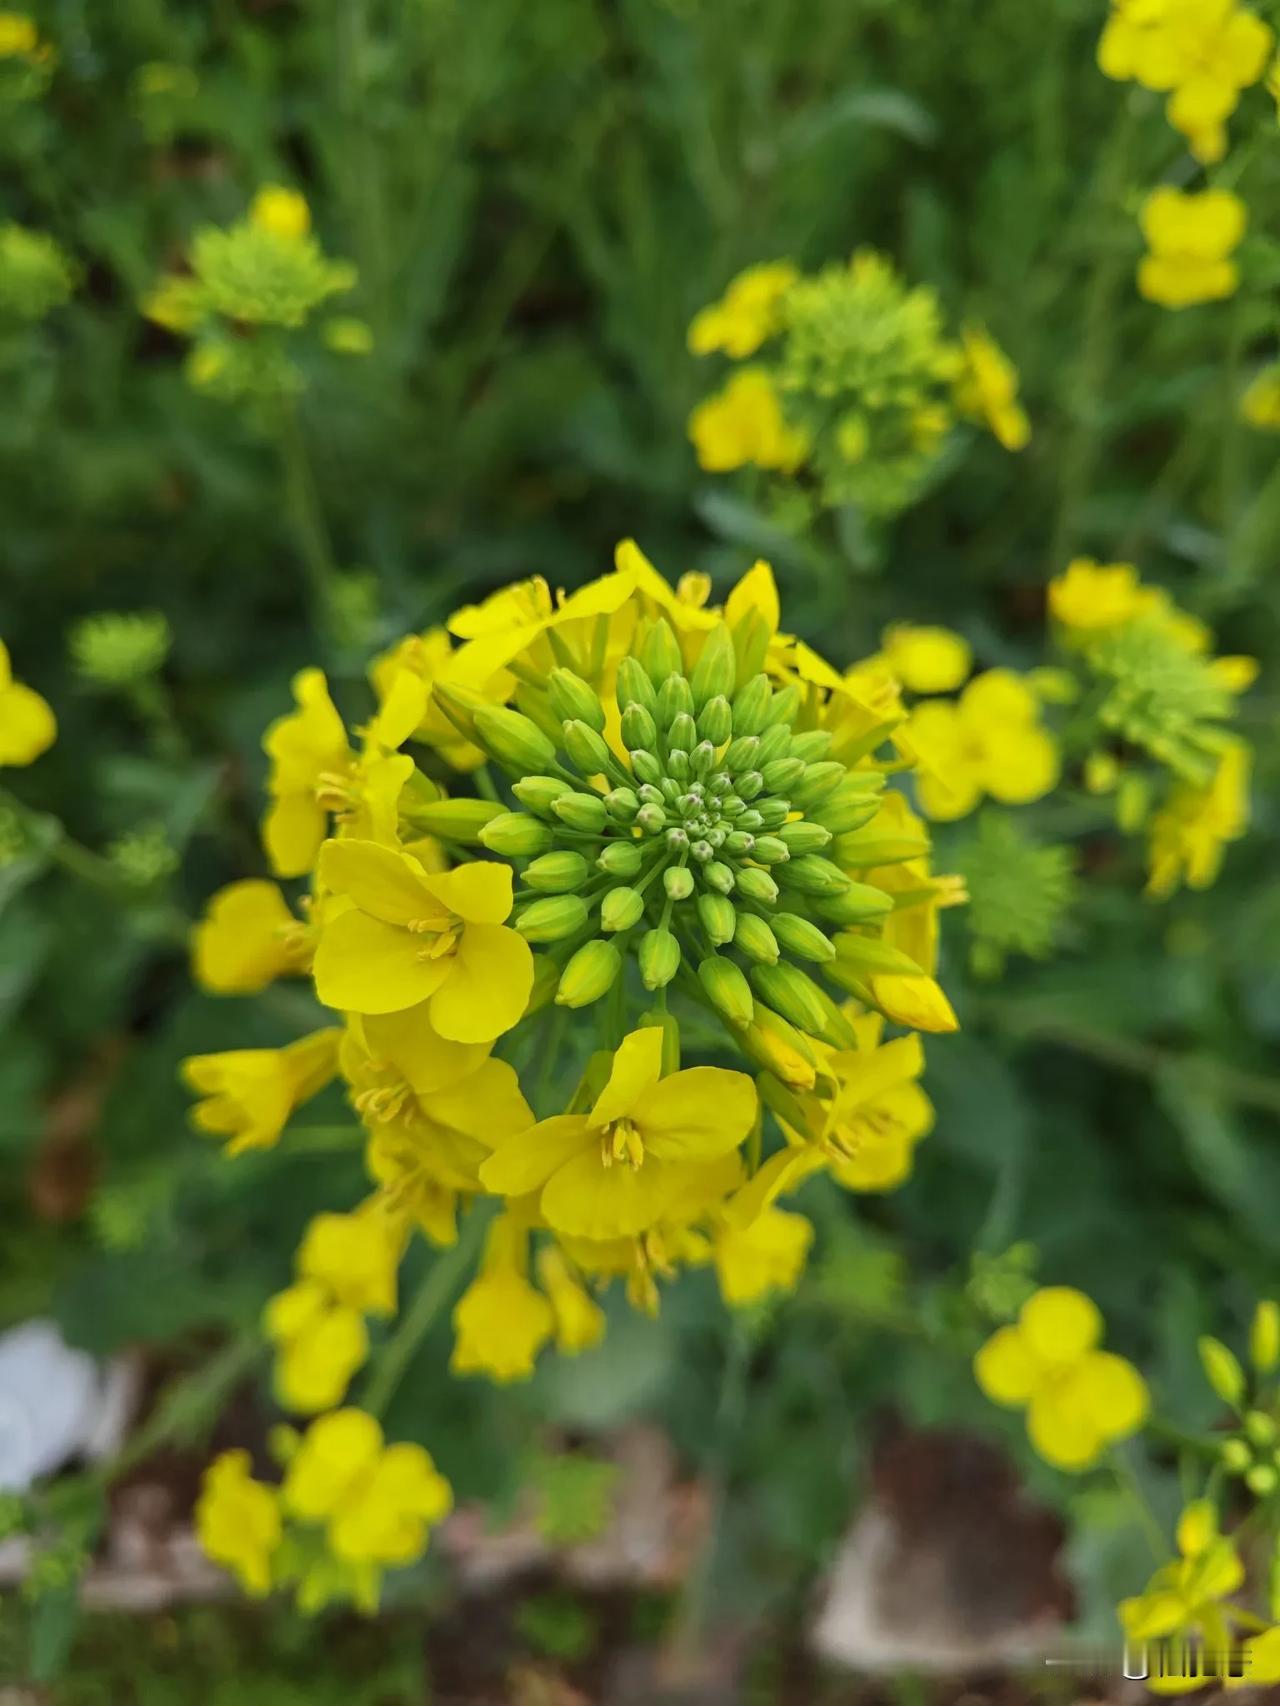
303 503
433 1295
1147 1519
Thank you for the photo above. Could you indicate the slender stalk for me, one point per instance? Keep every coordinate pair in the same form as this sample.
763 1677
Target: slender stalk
1147 1519
433 1296
305 514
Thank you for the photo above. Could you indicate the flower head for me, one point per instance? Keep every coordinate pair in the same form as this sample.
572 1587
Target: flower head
1190 832
1191 238
238 1521
247 938
1187 1597
250 1093
989 741
502 1320
744 425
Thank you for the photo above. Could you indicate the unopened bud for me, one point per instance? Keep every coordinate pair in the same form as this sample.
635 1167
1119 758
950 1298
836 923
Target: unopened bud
741 752
557 873
552 919
682 732
801 937
620 858
718 917
780 774
813 745
622 804
803 837
861 903
1236 1456
540 793
818 783
750 705
715 720
646 766
573 700
779 1048
773 812
674 700
635 688
660 652
756 939
755 884
812 874
659 957
1262 1480
727 989
586 748
719 875
841 814
651 819
702 759
793 994
516 835
775 743
714 672
772 850
1264 1336
513 739
739 842
677 880
621 908
783 706
1221 1369
589 974
638 728
1260 1427
455 820
581 811
749 784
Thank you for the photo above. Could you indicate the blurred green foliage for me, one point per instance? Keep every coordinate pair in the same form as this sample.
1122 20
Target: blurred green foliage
536 199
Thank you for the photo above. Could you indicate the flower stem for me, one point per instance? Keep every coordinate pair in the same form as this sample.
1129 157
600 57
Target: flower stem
303 503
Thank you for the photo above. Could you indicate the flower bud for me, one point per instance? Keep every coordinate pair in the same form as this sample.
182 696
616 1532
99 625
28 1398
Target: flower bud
813 745
581 811
513 739
783 707
779 1048
638 728
751 637
793 994
677 880
750 705
635 688
621 908
557 873
586 748
455 820
1260 1428
589 974
1264 1336
572 700
750 819
812 874
756 939
714 672
803 837
781 774
552 919
702 759
651 819
540 793
646 766
659 957
674 700
620 858
677 838
622 804
682 732
701 851
749 784
739 842
1262 1480
516 835
772 812
818 783
1221 1369
772 850
755 884
775 743
718 918
801 937
1236 1456
842 813
727 989
869 956
660 653
715 720
740 754
861 903
719 875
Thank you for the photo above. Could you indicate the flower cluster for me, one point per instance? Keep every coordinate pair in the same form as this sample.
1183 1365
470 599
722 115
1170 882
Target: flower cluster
852 384
1152 690
349 1508
247 288
35 275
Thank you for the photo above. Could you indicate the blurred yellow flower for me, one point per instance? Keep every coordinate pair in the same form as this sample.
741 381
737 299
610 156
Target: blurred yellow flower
501 1321
744 424
989 741
1090 596
27 725
238 1521
1191 238
746 315
926 659
766 1254
250 1093
1079 1400
281 211
579 1319
987 389
1260 405
1189 834
247 938
1186 1598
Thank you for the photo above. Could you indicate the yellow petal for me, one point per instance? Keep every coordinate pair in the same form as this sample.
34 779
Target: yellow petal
696 1115
292 833
526 1161
586 1199
487 989
1060 1324
917 1002
480 891
1005 1368
637 1066
365 966
381 881
336 1451
27 725
756 591
1114 1392
1065 1437
428 1061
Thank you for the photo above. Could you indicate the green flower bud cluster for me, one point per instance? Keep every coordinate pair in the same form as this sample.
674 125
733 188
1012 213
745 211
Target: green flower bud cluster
1254 1453
1154 693
144 856
1020 892
36 276
119 648
691 824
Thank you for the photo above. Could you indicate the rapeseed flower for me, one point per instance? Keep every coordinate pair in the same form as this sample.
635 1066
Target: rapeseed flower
987 389
926 659
766 1254
250 1093
1260 404
744 425
989 742
238 1521
1188 1598
248 938
1089 597
1079 1399
27 725
502 1320
1191 237
1190 832
747 314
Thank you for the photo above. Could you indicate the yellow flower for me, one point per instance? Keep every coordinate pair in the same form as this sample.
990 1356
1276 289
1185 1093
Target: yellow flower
1186 1598
642 1149
19 37
432 657
1079 1399
927 660
579 1319
766 1254
988 742
747 314
987 390
1090 597
377 1502
27 725
1262 1657
1191 237
1189 833
250 1093
411 936
247 938
238 1521
355 1257
501 1320
282 212
1260 405
744 424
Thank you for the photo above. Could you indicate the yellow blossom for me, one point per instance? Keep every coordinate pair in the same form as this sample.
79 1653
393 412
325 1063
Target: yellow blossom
747 314
988 742
766 1254
247 938
987 389
238 1521
250 1093
432 657
1260 405
1191 238
1190 832
744 424
1188 1597
927 659
1078 1399
411 936
579 1319
644 1146
27 725
282 212
1090 597
501 1321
